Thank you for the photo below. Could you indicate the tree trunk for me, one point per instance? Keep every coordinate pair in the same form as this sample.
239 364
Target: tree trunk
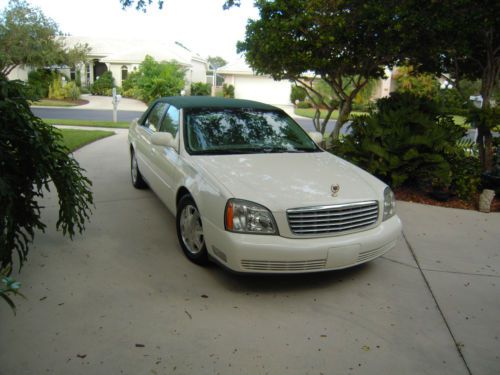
317 120
484 137
6 70
345 109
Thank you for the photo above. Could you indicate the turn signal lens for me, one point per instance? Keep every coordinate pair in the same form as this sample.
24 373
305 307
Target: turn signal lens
389 204
229 216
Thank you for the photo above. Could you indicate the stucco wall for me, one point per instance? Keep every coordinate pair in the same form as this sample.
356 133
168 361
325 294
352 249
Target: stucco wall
198 71
262 89
19 73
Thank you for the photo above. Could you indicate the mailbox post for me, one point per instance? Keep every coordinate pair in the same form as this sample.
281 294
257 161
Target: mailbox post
116 100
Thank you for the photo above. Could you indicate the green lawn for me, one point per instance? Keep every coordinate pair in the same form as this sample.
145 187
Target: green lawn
75 139
89 123
309 112
55 103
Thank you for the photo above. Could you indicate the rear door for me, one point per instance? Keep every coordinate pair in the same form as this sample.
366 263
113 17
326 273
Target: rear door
166 159
144 147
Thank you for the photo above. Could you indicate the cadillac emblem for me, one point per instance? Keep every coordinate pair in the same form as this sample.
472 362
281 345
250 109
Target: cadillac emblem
335 189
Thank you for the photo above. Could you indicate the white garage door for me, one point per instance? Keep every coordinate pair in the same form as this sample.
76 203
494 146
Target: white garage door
262 89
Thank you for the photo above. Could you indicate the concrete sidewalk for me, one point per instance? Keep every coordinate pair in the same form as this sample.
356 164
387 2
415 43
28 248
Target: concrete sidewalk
122 298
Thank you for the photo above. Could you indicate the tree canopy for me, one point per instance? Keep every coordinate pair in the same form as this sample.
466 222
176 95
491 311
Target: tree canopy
345 43
144 4
216 62
457 40
28 37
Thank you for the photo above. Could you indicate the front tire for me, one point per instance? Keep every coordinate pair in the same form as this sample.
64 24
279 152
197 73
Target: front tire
135 173
190 231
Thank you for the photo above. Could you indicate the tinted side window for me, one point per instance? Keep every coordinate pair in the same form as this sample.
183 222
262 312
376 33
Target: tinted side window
153 120
170 122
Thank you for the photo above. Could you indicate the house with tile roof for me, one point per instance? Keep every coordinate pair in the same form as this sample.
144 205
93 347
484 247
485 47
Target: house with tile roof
123 56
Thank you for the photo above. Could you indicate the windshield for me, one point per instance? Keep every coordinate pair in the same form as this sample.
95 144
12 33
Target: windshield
239 131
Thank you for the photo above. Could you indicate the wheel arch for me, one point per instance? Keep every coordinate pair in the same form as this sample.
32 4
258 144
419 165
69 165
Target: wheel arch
183 191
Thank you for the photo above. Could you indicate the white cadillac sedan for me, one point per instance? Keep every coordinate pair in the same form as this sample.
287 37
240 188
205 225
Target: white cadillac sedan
253 192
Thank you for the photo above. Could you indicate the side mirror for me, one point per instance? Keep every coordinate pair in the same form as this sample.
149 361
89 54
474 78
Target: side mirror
164 139
317 137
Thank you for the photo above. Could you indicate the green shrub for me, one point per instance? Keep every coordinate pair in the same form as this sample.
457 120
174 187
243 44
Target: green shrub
465 173
109 92
228 91
130 93
78 78
71 91
103 84
304 105
154 79
39 82
421 84
297 93
451 102
200 89
131 81
404 140
361 107
56 90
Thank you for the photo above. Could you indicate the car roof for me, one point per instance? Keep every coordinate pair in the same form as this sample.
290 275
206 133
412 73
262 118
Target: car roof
213 102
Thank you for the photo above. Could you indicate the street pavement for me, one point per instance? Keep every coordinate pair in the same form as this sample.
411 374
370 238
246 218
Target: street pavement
100 108
123 299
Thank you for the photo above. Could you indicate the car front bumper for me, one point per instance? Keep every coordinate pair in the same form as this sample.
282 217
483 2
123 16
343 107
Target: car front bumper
276 254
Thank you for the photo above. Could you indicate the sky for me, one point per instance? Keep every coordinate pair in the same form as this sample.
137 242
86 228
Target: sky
200 25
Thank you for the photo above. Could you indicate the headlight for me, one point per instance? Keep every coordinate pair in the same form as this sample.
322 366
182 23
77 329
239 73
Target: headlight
389 203
248 217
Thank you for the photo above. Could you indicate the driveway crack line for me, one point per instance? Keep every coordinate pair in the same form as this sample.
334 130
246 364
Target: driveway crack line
457 345
462 273
398 262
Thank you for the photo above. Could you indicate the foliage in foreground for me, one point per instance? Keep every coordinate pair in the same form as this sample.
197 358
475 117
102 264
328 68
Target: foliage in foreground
406 141
33 160
9 287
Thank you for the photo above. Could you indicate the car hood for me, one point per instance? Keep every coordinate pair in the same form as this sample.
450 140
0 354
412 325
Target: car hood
292 180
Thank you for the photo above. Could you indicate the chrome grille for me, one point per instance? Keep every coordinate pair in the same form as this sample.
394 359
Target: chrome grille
277 266
332 219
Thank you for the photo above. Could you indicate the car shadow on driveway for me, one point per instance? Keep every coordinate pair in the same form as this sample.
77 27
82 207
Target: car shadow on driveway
280 283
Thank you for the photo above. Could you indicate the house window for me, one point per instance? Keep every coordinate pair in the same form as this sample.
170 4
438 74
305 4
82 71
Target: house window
87 74
124 72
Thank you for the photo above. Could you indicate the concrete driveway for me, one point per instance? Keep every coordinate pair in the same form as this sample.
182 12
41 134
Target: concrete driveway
123 299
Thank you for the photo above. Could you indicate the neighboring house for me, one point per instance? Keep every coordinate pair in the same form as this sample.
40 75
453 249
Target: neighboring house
248 85
123 56
263 88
